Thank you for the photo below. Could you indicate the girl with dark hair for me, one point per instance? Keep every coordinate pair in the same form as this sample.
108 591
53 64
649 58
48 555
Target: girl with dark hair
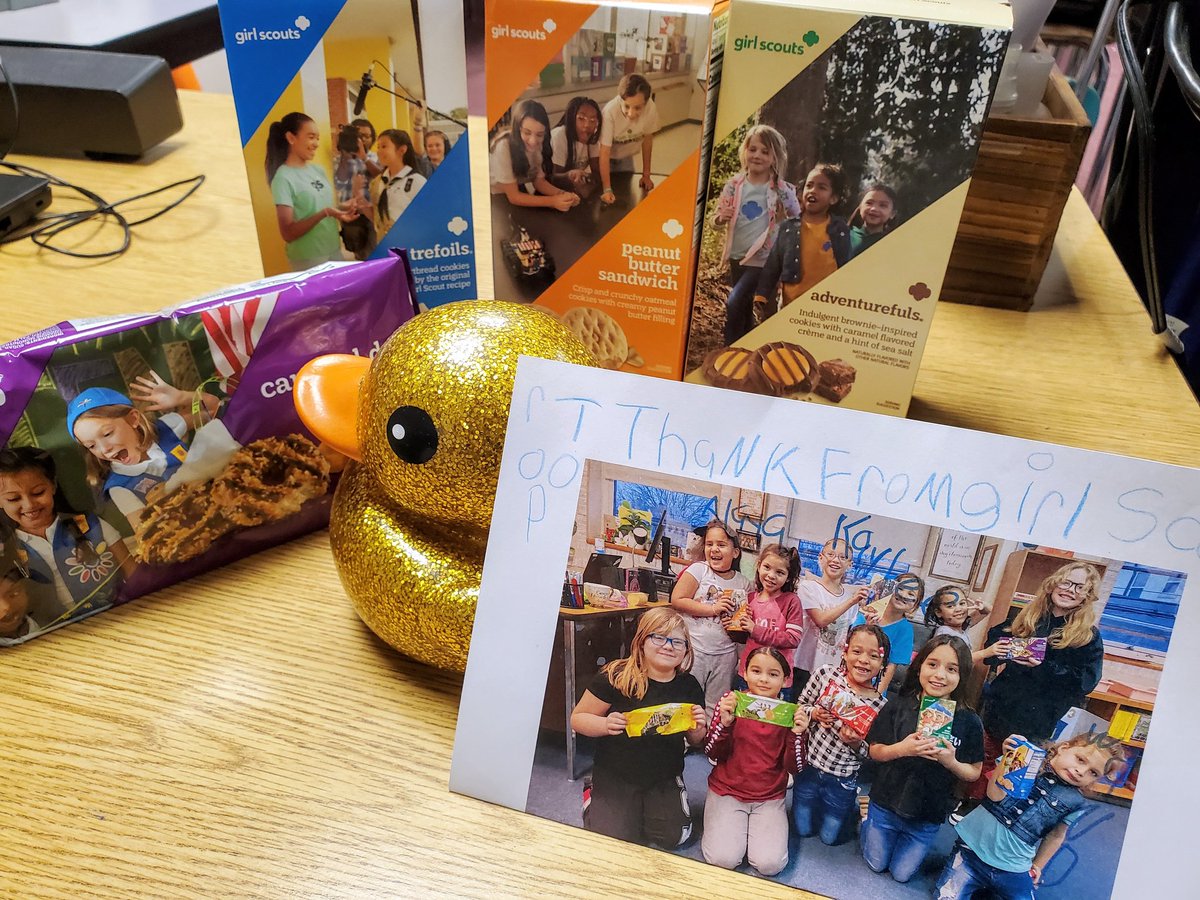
825 790
78 559
809 247
905 598
399 182
704 593
628 123
913 790
303 193
773 616
874 217
575 147
744 814
521 162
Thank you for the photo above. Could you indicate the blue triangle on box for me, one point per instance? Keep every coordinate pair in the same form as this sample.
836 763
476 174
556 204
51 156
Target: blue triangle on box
265 45
443 272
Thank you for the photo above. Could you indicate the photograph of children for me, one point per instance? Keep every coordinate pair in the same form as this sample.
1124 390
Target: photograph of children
791 734
121 469
881 125
581 148
343 162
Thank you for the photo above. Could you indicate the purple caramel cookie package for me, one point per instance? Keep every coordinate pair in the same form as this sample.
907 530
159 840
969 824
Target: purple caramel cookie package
141 450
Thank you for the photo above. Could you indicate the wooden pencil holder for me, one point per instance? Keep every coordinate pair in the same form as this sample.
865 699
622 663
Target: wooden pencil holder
1021 182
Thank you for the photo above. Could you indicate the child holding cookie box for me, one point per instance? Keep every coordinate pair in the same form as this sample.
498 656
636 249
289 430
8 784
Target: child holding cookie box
637 792
744 815
914 785
1005 844
704 594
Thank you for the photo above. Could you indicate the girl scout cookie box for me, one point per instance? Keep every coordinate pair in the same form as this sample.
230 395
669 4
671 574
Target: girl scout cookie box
599 117
138 451
845 136
353 120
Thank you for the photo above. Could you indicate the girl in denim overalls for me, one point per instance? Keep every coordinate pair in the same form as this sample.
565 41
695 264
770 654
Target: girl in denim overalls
1005 844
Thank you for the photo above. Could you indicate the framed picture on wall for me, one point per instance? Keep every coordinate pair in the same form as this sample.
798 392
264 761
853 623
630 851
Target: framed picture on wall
752 505
983 571
954 555
749 541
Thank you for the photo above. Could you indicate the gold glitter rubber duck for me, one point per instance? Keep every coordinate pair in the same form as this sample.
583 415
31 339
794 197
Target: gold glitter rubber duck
425 421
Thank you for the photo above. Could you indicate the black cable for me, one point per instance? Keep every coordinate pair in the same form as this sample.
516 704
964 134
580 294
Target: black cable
1141 115
48 226
16 109
404 96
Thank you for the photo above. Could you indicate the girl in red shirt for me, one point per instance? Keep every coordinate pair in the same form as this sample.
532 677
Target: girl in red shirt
744 814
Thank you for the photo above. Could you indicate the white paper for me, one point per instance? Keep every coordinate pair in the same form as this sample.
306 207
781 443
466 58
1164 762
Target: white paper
1092 503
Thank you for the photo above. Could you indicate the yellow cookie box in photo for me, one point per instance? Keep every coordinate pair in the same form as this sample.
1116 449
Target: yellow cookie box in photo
666 718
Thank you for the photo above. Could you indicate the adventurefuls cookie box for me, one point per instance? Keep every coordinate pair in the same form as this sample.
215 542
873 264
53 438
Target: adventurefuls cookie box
845 137
599 118
141 450
358 105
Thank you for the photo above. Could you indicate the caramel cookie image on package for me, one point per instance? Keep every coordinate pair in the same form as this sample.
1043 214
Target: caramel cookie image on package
788 368
735 368
265 481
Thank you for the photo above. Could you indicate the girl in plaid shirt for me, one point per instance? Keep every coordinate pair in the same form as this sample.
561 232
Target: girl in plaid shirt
826 788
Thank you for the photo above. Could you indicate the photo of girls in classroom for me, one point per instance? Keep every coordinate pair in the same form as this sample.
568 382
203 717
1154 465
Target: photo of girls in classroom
829 166
843 702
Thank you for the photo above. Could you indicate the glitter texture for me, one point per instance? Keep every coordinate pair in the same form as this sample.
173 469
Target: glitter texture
408 539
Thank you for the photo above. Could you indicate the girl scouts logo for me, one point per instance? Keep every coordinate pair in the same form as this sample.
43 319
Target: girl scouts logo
90 568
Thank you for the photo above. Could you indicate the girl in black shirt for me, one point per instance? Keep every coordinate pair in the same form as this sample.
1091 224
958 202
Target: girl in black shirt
637 791
913 789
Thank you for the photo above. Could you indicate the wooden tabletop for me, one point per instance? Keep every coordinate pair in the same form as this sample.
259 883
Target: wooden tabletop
243 734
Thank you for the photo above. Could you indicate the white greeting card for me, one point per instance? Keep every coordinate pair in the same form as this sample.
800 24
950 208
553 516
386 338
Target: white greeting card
999 523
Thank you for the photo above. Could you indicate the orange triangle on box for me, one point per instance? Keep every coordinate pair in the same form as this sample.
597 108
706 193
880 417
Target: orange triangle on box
512 63
653 316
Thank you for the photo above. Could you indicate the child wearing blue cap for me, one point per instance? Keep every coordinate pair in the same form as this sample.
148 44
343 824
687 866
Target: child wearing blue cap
130 452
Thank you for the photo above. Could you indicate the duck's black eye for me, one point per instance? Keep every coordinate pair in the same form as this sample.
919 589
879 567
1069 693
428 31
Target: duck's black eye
412 434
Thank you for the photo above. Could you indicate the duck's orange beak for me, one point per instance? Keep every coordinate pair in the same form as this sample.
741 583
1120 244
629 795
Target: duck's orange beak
326 396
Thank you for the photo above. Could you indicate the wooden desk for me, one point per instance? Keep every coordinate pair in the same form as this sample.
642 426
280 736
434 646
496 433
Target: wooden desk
244 734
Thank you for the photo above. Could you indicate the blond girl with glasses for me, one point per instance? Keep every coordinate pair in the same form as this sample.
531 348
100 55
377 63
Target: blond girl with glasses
1028 696
636 792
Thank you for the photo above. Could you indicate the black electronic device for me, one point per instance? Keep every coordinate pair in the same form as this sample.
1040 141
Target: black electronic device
605 568
104 105
22 197
660 583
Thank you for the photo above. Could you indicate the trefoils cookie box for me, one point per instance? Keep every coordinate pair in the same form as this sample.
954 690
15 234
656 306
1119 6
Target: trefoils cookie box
599 117
845 138
353 121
